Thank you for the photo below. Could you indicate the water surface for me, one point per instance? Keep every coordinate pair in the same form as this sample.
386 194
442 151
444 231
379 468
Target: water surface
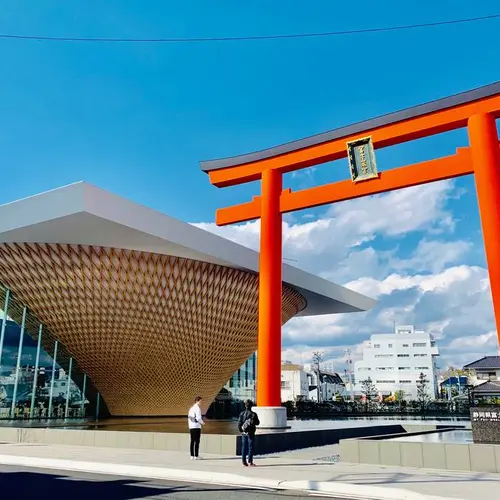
170 424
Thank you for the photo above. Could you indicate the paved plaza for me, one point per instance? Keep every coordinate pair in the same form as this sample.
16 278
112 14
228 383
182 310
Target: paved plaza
41 483
313 469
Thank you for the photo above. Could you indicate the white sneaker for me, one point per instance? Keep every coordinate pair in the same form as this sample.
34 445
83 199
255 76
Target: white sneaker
197 458
192 458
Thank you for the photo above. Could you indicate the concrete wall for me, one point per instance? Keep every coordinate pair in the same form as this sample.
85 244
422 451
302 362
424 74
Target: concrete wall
276 442
450 456
210 443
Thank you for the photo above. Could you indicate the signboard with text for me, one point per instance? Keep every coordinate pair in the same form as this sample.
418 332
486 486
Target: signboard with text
485 422
480 415
361 156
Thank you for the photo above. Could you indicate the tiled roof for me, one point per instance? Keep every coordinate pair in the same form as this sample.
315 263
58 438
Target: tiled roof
331 378
488 387
485 363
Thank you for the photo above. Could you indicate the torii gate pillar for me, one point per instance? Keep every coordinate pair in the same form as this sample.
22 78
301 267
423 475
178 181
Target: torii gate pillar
483 138
271 413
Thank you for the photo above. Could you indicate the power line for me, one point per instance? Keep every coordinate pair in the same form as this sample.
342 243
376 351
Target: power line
248 38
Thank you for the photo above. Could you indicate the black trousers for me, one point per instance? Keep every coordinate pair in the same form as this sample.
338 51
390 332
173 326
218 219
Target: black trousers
194 446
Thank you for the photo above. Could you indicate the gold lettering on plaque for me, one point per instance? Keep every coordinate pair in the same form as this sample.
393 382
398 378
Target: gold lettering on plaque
362 157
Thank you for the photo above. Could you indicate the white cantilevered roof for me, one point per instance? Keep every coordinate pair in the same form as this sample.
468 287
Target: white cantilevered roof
82 214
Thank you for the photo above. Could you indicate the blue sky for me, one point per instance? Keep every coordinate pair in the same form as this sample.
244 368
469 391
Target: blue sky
136 118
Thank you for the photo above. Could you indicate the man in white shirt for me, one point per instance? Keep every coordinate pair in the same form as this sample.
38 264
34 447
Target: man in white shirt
195 421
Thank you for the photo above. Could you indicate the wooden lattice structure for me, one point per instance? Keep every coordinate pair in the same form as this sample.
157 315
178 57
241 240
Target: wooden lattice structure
151 331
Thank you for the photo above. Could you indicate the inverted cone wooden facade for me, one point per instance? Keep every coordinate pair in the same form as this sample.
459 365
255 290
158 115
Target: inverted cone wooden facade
151 331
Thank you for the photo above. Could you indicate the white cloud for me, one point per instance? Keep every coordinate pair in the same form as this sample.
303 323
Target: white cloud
340 232
398 212
425 282
474 341
306 173
435 255
398 248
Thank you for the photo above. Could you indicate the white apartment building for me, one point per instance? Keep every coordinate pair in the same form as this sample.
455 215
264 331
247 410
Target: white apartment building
301 382
394 362
294 382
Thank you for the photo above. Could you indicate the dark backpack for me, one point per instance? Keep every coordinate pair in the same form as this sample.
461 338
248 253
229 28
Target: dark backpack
248 423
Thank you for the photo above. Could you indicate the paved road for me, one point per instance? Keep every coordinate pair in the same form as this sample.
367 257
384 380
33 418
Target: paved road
42 484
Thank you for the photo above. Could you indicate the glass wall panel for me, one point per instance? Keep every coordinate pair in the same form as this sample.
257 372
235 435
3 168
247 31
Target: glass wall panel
26 381
27 394
240 387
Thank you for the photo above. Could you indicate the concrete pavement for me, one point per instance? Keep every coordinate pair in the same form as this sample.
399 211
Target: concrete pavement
43 484
287 471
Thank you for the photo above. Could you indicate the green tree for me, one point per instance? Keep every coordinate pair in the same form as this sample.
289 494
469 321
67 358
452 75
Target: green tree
423 390
399 395
369 390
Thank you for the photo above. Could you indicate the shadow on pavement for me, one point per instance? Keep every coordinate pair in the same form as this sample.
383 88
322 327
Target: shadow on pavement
41 486
374 478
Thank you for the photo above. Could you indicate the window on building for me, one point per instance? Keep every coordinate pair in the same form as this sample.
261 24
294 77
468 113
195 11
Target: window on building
406 345
421 368
403 355
383 355
419 344
389 346
385 381
376 346
404 368
285 384
420 355
405 382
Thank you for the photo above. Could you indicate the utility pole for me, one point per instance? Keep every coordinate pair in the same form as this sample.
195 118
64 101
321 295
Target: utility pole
317 359
349 373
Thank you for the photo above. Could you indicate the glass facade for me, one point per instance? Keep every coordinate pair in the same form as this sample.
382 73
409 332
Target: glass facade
52 382
38 378
240 387
242 384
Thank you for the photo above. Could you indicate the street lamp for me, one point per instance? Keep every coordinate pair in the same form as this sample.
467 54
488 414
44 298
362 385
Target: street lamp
317 359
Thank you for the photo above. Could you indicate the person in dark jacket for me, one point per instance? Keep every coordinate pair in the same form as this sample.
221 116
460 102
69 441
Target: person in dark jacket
247 425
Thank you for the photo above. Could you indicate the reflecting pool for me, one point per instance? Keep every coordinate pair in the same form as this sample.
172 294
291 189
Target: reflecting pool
171 424
454 436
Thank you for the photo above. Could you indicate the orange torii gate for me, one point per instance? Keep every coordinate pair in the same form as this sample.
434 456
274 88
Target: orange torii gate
476 109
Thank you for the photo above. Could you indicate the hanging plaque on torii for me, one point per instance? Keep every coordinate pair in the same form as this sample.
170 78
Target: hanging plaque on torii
361 156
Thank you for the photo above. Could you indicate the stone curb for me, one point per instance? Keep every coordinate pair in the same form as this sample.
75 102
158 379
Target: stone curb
330 488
